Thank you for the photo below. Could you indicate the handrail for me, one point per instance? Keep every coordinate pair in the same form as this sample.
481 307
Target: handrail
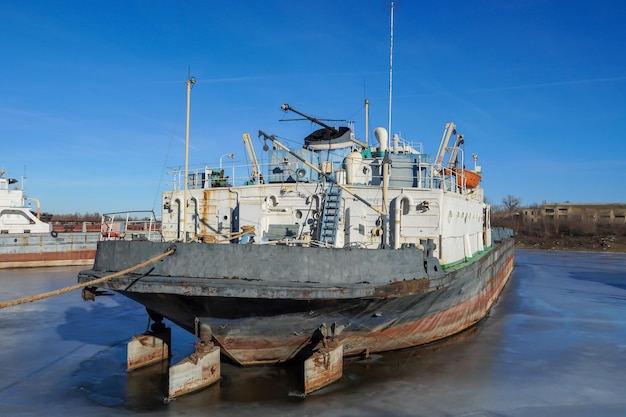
118 225
208 176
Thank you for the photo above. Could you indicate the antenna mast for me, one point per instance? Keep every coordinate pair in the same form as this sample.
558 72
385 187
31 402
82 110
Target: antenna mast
390 69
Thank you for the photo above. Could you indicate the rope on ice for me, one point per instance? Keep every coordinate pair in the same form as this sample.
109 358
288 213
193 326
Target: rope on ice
36 297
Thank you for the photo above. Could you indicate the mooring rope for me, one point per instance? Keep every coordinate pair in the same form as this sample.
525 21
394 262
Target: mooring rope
213 238
36 297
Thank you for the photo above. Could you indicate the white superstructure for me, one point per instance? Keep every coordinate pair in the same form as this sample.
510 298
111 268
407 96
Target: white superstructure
338 197
15 215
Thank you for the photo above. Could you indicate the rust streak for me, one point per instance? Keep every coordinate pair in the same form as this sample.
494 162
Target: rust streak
48 256
403 288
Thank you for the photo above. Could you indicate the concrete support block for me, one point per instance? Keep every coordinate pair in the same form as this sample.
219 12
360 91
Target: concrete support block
148 348
323 368
197 371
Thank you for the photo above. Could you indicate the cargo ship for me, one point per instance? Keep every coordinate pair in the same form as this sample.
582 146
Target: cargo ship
28 241
336 246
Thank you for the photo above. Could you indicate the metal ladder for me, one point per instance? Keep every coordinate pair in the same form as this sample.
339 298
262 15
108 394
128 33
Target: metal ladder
330 215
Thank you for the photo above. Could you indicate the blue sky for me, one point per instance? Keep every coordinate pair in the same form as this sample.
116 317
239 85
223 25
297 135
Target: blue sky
92 93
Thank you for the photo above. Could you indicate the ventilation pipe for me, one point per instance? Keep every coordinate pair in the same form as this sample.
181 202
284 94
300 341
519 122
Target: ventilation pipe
397 206
383 138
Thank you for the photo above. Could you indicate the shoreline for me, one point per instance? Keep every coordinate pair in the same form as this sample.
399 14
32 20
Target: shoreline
572 243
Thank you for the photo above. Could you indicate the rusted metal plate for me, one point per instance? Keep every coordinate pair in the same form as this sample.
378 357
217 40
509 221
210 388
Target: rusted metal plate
36 259
403 288
146 349
323 368
197 371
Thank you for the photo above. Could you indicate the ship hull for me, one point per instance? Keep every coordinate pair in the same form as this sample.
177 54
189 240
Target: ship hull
26 250
388 300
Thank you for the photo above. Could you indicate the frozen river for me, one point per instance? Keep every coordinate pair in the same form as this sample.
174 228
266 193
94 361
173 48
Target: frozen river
555 345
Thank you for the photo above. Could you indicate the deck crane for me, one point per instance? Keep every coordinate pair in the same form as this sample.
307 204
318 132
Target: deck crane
256 171
465 178
449 130
454 154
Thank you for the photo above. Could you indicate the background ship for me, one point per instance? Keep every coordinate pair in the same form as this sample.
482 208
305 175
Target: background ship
27 241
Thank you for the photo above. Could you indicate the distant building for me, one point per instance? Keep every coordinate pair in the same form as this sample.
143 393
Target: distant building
564 216
601 213
531 214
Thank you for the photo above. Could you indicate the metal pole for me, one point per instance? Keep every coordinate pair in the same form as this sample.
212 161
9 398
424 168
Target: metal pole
390 68
189 83
367 123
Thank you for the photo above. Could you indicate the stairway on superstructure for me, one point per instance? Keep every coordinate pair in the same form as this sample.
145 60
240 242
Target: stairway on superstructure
330 215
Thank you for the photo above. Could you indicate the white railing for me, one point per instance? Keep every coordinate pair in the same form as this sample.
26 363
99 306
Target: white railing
235 173
131 225
238 173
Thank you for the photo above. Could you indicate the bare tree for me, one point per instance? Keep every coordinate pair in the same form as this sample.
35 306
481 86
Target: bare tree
511 203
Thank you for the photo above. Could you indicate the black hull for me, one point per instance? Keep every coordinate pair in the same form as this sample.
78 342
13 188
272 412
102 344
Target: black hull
275 318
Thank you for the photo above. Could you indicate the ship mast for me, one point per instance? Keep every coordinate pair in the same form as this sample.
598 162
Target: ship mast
190 81
386 161
390 68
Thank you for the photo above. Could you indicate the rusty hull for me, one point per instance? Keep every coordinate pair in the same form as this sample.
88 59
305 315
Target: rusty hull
279 324
32 260
369 334
25 250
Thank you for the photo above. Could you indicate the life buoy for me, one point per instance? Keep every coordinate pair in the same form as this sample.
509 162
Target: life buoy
54 233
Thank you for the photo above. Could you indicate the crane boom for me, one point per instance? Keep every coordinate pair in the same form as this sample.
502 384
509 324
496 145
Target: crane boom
448 131
256 171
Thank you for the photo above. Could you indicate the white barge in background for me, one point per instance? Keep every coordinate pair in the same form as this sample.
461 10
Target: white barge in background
337 248
27 241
